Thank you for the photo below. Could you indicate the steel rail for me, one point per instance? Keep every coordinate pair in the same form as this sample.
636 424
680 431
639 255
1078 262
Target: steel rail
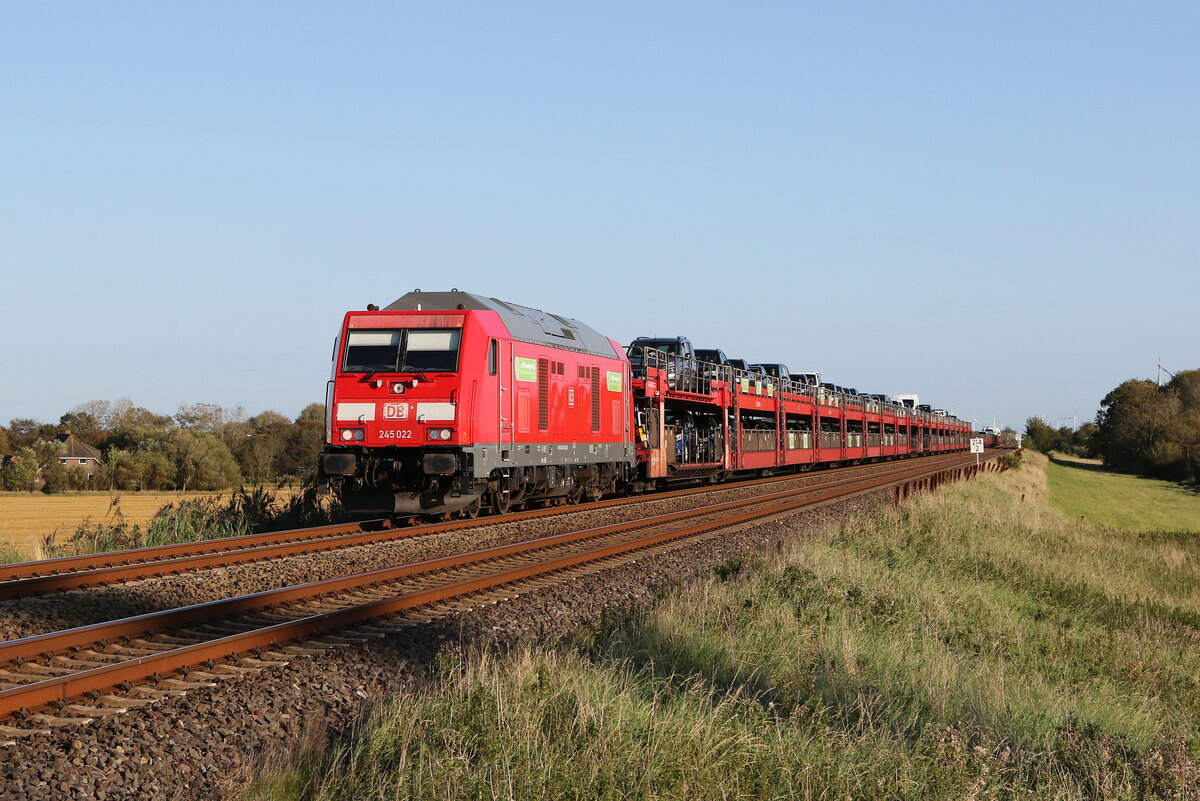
72 572
65 565
58 688
23 648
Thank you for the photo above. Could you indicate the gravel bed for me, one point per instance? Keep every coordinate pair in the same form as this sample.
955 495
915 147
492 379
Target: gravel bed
25 617
207 744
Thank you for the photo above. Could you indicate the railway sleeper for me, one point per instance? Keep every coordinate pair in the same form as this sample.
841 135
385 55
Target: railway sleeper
153 694
180 684
227 669
381 628
95 711
224 628
328 644
255 662
154 645
103 657
126 650
38 669
175 639
10 731
57 722
205 675
119 700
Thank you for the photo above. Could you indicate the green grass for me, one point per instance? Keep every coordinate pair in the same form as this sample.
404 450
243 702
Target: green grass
1082 488
10 554
974 643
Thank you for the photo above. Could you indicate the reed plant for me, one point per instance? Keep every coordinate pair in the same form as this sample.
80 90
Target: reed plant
245 511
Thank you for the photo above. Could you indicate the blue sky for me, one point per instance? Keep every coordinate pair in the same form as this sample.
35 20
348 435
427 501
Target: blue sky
996 206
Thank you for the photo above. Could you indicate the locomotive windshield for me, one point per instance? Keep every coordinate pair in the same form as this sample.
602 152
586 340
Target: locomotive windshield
402 350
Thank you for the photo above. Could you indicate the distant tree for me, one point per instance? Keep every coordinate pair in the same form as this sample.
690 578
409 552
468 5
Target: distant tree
89 422
55 477
122 470
1084 440
1008 435
1131 424
305 441
202 462
234 429
1186 384
262 452
21 473
1040 436
154 468
206 418
5 447
23 432
134 427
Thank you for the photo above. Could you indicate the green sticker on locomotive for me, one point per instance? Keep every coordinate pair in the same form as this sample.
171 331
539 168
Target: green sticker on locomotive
614 382
525 369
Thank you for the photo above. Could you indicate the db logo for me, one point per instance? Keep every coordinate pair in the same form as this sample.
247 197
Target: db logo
395 411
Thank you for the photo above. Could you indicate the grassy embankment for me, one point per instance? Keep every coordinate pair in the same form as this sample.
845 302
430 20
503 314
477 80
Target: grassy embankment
970 644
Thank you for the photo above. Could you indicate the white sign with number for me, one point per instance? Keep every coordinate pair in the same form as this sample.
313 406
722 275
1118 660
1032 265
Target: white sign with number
977 445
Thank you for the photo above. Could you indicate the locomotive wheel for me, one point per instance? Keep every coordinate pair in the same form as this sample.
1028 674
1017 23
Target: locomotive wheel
472 511
500 503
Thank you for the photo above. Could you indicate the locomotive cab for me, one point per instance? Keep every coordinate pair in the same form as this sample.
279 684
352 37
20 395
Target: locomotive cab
398 418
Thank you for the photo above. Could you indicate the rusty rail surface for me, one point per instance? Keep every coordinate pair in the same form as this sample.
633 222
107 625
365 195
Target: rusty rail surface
72 572
41 666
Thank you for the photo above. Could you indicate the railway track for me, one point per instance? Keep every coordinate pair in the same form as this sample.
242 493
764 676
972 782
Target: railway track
76 675
74 572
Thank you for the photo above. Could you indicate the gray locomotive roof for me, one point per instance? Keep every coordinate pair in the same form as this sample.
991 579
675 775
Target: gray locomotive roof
524 323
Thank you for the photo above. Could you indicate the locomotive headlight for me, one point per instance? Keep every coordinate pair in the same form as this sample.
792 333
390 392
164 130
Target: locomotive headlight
436 434
398 388
353 434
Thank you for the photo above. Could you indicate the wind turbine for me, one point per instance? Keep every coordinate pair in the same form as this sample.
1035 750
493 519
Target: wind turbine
1162 370
1073 418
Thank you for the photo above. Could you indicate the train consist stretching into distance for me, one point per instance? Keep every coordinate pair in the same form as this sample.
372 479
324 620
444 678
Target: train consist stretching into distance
452 402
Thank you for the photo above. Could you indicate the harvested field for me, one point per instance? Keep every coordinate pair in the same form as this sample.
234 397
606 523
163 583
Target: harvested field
27 517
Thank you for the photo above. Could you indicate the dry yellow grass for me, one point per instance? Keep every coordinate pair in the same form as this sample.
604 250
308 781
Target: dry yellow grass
27 517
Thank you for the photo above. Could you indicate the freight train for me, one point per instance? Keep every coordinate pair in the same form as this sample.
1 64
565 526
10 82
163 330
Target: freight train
449 403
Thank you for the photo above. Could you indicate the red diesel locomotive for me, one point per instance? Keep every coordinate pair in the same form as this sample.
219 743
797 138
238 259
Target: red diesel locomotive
450 402
447 401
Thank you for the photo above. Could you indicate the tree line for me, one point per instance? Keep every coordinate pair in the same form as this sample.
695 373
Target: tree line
1142 427
203 446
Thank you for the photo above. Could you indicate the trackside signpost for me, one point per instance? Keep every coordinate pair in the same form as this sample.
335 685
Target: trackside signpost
977 448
